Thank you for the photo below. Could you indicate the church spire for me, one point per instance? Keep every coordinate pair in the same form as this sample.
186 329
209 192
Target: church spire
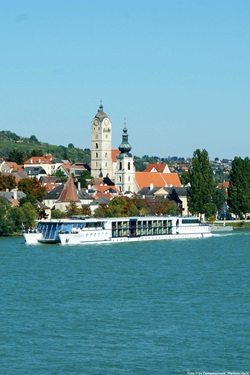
100 109
125 146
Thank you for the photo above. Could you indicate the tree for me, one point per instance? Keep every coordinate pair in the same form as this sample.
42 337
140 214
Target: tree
31 186
185 178
202 189
29 214
171 208
7 182
34 139
60 175
85 175
18 157
219 197
72 209
101 211
57 214
6 222
239 187
85 210
210 210
119 206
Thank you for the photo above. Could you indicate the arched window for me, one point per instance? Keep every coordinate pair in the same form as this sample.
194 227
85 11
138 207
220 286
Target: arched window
120 179
96 145
129 165
96 154
106 154
128 178
120 166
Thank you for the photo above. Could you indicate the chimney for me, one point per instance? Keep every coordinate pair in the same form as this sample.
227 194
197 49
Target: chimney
15 194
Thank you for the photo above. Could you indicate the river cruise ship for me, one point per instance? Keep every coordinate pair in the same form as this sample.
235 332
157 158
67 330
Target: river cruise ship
148 228
75 231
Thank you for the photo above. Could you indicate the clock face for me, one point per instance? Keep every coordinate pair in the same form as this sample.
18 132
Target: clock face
96 122
106 121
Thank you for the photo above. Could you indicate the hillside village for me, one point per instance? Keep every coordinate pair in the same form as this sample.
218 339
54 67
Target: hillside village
111 174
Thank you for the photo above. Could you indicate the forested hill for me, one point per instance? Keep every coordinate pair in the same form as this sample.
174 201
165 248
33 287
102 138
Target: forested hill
20 148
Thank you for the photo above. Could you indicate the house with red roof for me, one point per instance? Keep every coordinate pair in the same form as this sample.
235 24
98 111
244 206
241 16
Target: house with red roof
157 167
151 179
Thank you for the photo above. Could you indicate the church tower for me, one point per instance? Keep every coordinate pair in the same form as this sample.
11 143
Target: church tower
125 170
101 135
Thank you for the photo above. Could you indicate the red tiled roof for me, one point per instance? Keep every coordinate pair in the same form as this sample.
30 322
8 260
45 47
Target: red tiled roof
114 153
51 186
38 160
225 184
145 179
69 192
14 165
158 167
103 188
107 195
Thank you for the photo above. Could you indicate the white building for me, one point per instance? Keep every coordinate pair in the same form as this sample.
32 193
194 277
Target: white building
125 170
101 136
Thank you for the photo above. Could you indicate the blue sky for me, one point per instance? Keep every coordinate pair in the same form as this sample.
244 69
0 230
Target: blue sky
179 71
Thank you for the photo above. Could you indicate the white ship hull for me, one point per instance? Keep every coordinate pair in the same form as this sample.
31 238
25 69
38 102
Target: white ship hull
78 239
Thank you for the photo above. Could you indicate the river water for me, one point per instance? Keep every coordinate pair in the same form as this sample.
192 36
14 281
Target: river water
169 307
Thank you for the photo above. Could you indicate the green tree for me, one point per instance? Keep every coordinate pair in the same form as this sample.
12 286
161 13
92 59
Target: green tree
202 189
210 210
239 187
57 214
18 157
171 208
85 210
34 139
119 206
7 182
29 214
18 218
133 210
31 186
219 197
60 175
85 175
72 209
6 222
101 211
185 178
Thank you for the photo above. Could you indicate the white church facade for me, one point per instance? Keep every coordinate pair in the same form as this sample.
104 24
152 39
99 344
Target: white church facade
120 171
